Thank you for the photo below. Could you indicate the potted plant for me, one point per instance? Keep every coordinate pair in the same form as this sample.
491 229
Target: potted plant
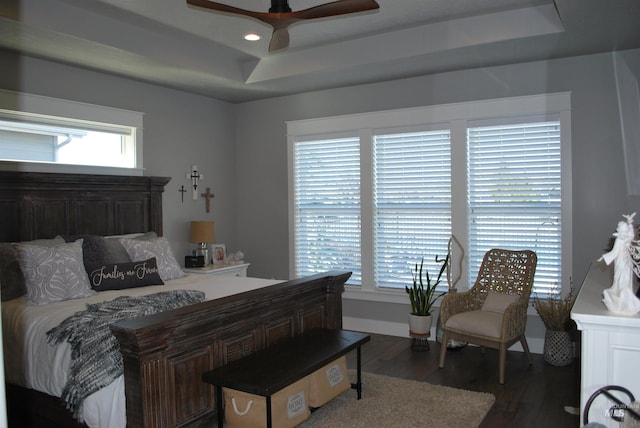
422 296
555 314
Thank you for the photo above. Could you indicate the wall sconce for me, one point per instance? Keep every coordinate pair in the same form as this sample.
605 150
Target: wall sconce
202 233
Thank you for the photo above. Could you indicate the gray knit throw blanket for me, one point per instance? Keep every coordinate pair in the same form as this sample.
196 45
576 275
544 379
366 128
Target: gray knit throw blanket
96 360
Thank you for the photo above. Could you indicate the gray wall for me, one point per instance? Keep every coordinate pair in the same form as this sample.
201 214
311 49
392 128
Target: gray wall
243 153
180 129
599 186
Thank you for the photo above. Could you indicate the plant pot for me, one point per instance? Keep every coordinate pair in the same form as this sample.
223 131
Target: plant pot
558 350
420 326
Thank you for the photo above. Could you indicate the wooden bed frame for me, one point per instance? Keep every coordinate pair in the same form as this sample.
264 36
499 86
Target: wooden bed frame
165 354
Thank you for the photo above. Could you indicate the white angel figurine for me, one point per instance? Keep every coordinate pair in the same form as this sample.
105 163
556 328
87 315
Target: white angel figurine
620 297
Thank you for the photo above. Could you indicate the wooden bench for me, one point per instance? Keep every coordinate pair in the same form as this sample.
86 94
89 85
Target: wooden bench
268 371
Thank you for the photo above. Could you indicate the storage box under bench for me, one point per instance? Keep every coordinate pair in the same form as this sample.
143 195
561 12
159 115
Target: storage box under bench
277 382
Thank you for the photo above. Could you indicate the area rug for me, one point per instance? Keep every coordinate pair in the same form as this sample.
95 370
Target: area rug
393 402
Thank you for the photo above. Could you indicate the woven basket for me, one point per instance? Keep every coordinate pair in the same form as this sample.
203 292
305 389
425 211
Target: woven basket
558 350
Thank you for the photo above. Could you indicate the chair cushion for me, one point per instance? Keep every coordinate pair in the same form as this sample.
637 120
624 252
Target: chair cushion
498 302
483 323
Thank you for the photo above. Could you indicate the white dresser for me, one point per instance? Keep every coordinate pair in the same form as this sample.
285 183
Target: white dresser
228 270
610 345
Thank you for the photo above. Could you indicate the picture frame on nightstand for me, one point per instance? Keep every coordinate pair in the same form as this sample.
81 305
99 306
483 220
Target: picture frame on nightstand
219 253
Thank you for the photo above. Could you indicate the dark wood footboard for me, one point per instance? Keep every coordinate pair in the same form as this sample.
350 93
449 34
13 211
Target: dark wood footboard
166 354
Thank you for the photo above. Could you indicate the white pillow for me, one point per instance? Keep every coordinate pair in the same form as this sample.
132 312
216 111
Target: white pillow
53 274
168 266
498 302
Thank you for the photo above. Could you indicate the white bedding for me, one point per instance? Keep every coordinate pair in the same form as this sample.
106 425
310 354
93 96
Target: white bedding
31 362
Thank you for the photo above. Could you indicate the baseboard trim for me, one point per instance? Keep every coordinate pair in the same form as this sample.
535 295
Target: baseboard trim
536 344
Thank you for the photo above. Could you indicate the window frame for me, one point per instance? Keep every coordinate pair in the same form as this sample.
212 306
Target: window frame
19 106
457 116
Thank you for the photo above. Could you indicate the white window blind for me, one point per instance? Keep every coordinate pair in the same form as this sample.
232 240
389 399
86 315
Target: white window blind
514 196
412 198
492 173
327 207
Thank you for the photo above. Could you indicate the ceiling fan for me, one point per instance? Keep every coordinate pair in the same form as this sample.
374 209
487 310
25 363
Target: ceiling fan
280 16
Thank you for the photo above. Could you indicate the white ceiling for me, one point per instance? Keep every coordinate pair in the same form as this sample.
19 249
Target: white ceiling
170 43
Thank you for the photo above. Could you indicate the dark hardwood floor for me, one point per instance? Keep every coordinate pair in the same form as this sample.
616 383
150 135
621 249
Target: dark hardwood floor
532 396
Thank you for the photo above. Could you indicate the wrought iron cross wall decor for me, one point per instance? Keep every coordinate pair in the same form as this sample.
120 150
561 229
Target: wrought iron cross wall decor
195 177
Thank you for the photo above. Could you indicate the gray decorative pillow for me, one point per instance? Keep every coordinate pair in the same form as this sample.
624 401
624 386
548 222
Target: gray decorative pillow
53 274
119 276
168 266
11 278
94 251
116 252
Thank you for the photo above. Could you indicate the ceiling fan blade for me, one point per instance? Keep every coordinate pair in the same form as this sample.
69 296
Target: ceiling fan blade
280 21
279 40
340 7
220 7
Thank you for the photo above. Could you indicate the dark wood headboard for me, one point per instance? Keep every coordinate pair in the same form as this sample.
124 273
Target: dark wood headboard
164 355
43 205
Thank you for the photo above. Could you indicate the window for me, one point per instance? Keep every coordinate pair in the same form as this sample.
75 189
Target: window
514 197
412 199
376 192
328 206
34 142
87 135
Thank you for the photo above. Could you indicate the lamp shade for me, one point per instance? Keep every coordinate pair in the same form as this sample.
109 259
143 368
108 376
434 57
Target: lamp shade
202 231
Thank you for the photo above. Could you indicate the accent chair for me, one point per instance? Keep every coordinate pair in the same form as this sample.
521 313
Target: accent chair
492 313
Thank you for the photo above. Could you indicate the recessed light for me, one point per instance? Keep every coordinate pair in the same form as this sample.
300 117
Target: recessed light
252 37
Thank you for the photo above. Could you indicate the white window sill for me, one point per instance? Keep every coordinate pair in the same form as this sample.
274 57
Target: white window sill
388 296
67 169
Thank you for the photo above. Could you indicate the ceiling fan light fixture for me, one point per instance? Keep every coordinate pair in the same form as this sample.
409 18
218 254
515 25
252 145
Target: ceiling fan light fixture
252 37
280 16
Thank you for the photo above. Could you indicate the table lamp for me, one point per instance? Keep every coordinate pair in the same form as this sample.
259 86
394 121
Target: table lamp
202 233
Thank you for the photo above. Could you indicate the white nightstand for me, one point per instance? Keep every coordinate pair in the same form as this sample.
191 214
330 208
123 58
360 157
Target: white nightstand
226 270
